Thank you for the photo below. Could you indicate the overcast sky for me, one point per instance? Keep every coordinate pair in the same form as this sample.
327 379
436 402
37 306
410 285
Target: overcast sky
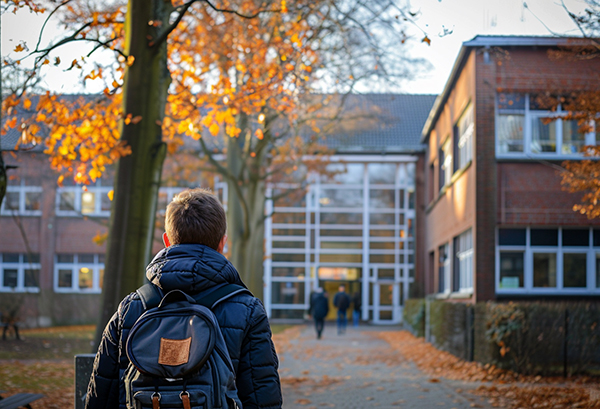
463 18
468 18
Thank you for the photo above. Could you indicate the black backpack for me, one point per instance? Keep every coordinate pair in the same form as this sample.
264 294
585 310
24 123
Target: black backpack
178 357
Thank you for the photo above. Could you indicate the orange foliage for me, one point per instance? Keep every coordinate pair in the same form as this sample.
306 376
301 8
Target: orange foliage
222 66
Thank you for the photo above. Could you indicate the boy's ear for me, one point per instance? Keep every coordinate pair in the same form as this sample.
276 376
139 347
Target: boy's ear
166 239
222 244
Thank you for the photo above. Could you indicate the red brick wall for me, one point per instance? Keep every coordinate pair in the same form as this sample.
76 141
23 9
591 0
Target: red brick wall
531 194
519 192
531 69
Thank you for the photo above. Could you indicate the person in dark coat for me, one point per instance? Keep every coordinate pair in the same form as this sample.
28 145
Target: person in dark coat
319 307
195 226
342 302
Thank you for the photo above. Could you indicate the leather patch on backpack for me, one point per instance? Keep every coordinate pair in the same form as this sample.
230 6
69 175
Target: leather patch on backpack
174 352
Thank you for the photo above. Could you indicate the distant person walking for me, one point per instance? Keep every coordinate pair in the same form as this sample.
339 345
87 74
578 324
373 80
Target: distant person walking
356 307
319 307
341 302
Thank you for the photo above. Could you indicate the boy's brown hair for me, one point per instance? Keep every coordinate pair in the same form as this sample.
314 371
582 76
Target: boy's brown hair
196 216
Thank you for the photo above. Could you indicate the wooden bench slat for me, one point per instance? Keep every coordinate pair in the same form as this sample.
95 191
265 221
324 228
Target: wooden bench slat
18 400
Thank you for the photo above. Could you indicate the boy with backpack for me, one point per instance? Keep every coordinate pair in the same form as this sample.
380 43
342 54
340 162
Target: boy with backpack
195 336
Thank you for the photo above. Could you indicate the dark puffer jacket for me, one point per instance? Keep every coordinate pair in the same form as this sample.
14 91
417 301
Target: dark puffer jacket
194 269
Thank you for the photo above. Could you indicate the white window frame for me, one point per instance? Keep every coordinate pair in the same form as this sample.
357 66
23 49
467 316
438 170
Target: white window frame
75 266
78 191
465 138
20 266
464 253
403 242
530 115
447 266
447 165
22 190
592 287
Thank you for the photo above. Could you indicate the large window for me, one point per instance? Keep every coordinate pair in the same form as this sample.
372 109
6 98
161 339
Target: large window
90 200
463 263
445 165
548 260
355 227
524 129
78 272
22 199
19 272
463 137
444 269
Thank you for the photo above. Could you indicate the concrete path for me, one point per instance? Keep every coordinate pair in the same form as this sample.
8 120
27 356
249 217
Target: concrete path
359 370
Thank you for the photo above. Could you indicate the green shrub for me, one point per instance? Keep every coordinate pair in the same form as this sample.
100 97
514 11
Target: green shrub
414 316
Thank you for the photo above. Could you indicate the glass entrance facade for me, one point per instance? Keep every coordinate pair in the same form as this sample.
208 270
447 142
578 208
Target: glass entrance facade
355 228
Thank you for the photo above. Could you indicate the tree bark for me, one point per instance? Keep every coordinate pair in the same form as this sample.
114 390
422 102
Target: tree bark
137 177
245 211
3 179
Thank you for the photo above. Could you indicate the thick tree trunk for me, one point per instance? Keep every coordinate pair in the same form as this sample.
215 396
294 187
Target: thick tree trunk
246 204
3 179
138 175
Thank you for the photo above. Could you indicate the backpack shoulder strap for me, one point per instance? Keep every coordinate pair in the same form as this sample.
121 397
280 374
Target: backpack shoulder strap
150 295
210 300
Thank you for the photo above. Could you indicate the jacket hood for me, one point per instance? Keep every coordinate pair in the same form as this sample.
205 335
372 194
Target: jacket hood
192 268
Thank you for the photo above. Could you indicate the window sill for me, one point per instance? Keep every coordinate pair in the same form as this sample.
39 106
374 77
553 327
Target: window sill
24 214
442 296
549 157
555 291
443 190
71 291
461 295
19 290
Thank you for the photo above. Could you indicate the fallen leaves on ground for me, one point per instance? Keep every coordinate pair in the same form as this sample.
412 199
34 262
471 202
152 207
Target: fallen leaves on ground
53 379
508 389
282 340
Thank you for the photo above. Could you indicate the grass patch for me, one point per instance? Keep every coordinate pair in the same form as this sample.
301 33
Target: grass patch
49 343
279 328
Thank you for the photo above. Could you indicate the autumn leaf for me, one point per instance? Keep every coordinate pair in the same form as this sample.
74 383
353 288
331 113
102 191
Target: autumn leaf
426 40
259 134
27 103
19 48
214 129
136 119
57 61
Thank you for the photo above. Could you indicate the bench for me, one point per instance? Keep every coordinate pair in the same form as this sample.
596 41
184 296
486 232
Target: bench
19 400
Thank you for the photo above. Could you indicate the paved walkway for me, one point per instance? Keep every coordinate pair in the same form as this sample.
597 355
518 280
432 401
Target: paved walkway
359 370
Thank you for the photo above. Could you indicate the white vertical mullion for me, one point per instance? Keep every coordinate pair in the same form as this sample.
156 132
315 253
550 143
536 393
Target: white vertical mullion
527 132
559 136
366 245
591 268
528 262
559 262
317 249
497 261
268 272
74 271
309 285
396 309
55 271
20 273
